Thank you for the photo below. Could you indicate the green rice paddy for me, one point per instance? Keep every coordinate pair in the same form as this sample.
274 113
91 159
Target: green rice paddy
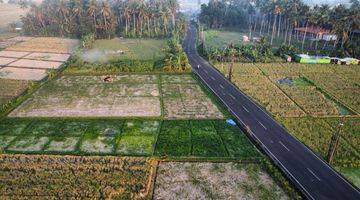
168 138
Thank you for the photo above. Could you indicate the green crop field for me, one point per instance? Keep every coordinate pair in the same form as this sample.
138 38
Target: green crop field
195 138
119 55
221 38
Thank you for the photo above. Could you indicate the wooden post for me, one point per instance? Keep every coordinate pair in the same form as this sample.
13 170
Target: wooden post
334 144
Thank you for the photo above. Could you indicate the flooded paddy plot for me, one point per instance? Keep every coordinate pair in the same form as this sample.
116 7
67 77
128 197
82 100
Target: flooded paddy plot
76 177
200 180
22 73
70 97
46 45
35 64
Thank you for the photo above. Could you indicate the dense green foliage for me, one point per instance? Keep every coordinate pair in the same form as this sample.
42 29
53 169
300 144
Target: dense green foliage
130 18
261 51
175 58
217 14
280 19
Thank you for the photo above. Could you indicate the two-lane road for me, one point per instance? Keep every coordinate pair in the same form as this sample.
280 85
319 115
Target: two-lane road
309 173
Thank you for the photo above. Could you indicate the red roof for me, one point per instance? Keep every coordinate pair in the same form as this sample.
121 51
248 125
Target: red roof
313 30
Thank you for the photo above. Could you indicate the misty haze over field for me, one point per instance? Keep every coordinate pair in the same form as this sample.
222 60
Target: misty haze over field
193 4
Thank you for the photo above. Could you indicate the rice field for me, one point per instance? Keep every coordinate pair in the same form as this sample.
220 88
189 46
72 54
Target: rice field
51 177
47 45
10 89
310 101
123 96
125 49
221 38
200 180
174 138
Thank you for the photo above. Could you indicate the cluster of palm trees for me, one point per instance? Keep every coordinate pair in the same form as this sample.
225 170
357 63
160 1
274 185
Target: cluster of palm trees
224 13
279 20
280 17
129 18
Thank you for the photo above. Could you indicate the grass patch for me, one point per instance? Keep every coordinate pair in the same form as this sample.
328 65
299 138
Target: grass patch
205 140
119 55
236 142
174 139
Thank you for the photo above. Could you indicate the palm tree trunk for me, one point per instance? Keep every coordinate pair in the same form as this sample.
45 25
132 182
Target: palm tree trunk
273 30
303 42
262 24
279 26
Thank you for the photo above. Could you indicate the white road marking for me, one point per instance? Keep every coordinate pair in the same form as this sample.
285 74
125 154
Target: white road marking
246 109
282 144
313 174
265 147
232 96
222 86
212 78
272 142
262 125
206 71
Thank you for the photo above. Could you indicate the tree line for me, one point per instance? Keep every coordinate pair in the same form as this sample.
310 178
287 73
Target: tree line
279 19
104 19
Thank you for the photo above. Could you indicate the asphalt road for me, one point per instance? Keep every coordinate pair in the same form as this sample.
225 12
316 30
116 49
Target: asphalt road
309 173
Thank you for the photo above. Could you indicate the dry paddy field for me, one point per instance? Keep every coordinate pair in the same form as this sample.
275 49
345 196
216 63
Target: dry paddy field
46 45
29 58
69 177
310 101
124 96
177 180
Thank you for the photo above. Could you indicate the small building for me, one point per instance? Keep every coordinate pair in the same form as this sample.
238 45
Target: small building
317 33
306 59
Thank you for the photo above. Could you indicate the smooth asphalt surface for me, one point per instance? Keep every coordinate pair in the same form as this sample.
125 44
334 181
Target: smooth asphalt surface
310 174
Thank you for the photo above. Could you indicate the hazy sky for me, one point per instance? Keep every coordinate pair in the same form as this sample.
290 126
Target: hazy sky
306 1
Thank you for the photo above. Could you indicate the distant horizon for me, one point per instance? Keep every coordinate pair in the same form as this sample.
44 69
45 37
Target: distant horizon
194 3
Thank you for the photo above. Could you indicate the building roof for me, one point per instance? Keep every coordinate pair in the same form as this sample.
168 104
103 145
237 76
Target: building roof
313 30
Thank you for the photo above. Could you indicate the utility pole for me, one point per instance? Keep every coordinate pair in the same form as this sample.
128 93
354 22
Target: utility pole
334 143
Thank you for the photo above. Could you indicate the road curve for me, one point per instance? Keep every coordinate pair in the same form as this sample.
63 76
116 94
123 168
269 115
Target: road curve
308 172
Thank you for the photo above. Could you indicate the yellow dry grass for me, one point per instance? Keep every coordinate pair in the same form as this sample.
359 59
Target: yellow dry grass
47 44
